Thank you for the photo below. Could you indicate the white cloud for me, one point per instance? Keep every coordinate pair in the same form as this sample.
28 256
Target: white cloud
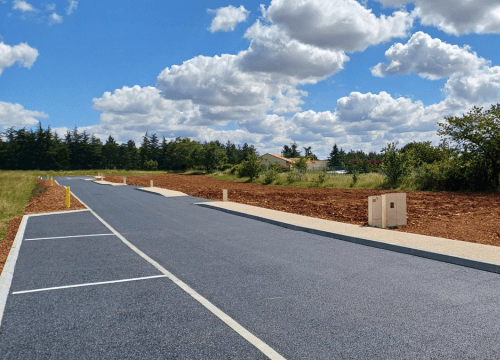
22 6
14 115
227 18
343 25
429 58
50 7
55 19
470 77
72 5
22 53
456 17
272 51
300 42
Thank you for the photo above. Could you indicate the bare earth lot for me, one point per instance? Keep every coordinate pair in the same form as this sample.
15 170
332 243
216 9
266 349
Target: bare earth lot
51 200
472 217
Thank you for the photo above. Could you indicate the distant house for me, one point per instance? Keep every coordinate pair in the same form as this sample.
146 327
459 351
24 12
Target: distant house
268 159
286 163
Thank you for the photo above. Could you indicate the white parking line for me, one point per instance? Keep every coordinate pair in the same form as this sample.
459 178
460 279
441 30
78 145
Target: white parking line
65 237
88 284
247 335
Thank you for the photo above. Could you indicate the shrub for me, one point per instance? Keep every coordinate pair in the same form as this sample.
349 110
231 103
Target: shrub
322 176
301 165
354 179
270 176
150 165
395 165
252 167
276 167
466 173
295 175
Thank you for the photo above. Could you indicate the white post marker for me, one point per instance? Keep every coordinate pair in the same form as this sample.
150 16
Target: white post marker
124 180
151 183
224 195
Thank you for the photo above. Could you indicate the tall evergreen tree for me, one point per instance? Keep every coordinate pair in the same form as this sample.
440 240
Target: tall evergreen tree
333 159
110 153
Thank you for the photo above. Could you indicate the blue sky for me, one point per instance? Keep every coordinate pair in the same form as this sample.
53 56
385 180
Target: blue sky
359 74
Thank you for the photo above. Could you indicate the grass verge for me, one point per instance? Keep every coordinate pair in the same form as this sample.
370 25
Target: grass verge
337 181
16 189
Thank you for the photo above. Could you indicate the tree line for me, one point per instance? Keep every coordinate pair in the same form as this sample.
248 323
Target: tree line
41 149
474 164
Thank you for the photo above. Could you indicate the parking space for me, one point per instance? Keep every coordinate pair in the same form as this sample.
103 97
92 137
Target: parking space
67 224
79 289
149 319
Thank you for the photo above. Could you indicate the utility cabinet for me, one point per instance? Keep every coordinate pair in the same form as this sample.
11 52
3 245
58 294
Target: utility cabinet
387 210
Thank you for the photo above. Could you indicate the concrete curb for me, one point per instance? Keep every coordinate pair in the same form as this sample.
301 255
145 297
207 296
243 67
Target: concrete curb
10 264
471 263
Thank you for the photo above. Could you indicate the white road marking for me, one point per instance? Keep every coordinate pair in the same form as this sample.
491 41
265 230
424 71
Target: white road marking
88 284
247 335
57 212
64 237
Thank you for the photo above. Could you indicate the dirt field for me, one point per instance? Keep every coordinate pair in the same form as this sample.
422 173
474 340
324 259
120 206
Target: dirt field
52 199
469 217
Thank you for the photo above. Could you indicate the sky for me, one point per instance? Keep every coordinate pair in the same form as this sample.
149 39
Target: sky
359 74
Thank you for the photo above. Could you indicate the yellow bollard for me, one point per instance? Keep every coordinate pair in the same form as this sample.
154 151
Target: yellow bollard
68 196
51 181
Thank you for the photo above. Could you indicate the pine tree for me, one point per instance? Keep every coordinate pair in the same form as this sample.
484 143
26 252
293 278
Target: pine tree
333 159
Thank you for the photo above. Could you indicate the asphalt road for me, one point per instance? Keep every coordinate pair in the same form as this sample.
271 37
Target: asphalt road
305 296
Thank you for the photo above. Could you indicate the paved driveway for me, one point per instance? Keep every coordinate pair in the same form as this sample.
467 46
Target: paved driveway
302 295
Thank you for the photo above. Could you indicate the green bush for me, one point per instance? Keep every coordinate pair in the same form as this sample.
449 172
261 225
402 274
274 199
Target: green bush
301 165
270 176
150 165
354 179
276 167
252 167
322 176
465 173
397 165
294 175
433 176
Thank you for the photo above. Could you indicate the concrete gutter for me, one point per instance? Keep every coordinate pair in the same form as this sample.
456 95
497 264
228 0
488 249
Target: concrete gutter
477 256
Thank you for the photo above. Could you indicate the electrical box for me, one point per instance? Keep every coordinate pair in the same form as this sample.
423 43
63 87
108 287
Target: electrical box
387 210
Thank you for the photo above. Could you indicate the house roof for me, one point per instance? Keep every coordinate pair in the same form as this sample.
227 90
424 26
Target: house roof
283 158
291 160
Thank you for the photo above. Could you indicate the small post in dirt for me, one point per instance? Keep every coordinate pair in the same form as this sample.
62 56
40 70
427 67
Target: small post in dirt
68 196
51 181
151 183
124 180
224 195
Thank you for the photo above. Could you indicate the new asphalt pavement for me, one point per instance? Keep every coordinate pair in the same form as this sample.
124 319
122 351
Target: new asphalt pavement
303 295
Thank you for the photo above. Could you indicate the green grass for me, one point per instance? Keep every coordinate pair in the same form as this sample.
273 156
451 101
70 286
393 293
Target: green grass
16 188
341 181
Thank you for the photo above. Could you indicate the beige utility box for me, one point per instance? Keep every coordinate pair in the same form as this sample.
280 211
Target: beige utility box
387 210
